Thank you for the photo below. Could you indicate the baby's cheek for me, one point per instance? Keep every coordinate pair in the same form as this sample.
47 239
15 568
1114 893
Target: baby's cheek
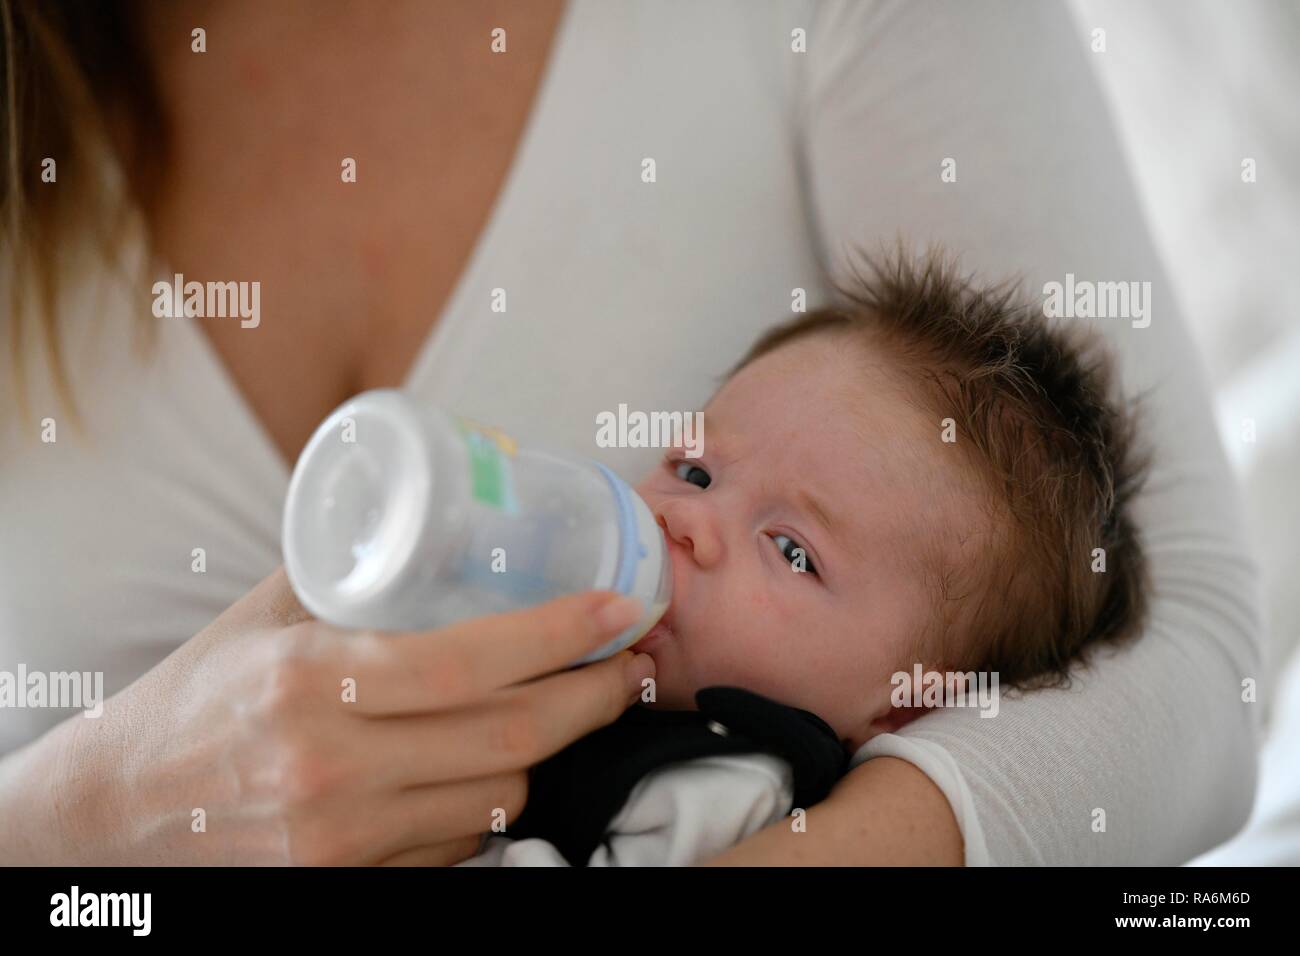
759 601
752 629
758 638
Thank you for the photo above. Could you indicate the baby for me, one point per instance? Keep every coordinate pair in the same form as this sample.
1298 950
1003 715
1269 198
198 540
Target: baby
928 477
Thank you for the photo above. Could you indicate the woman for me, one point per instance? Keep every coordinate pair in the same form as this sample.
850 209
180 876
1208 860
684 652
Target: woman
644 187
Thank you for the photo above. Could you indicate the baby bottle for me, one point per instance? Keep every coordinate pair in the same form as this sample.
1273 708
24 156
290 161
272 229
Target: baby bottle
403 517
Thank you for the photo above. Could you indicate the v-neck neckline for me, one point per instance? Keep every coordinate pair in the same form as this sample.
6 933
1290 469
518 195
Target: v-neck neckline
441 327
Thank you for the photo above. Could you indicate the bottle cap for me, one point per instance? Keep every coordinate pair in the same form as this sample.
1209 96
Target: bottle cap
356 506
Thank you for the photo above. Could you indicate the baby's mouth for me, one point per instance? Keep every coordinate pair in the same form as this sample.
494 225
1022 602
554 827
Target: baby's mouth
662 630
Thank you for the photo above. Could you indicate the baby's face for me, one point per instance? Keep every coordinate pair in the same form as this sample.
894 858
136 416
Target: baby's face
811 446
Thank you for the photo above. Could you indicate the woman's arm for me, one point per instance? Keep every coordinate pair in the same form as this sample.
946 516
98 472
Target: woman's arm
885 812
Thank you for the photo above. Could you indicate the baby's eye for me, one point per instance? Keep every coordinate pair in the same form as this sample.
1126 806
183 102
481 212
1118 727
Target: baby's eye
692 473
794 552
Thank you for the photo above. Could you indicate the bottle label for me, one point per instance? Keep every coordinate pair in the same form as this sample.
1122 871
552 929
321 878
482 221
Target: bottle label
490 468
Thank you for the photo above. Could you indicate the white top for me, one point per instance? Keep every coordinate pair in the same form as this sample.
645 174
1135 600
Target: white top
680 814
768 163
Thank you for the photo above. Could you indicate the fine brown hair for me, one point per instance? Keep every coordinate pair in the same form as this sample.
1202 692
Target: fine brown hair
1040 426
75 87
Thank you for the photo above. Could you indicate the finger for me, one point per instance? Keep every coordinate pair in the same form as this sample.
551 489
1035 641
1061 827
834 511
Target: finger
462 664
422 817
514 729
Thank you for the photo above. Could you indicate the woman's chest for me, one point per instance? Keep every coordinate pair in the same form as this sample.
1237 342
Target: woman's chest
357 211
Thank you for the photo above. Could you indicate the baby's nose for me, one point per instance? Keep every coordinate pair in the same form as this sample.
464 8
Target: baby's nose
691 527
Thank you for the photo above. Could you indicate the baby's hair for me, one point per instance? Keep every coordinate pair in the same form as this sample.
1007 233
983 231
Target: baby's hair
1052 448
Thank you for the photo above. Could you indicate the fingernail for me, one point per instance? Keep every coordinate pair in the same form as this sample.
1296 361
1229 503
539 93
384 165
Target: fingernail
639 668
618 614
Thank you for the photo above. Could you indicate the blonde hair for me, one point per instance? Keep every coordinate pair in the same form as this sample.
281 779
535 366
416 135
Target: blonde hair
76 90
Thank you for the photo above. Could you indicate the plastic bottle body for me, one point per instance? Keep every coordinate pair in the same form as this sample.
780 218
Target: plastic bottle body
406 518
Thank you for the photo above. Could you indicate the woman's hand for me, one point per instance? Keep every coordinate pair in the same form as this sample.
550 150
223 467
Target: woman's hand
273 738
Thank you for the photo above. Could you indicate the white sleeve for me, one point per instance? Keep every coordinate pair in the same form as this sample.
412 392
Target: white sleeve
1156 736
675 816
